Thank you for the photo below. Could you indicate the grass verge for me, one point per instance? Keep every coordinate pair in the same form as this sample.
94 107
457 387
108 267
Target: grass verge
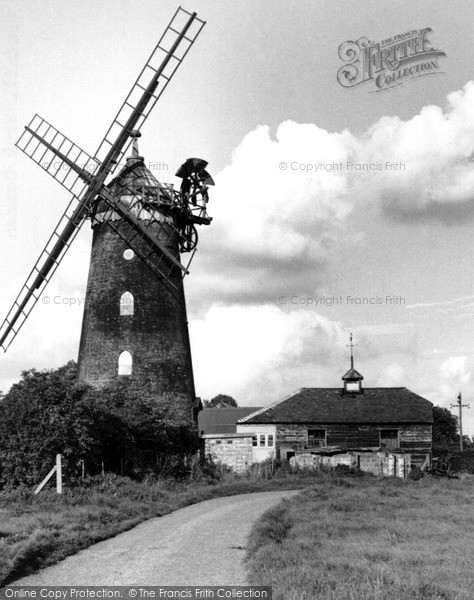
368 539
37 531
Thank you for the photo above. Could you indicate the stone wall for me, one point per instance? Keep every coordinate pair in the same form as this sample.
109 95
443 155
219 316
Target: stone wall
384 464
260 453
233 449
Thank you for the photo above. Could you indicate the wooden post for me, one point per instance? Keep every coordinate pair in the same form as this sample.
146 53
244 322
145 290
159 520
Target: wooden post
401 467
59 474
45 480
59 477
460 405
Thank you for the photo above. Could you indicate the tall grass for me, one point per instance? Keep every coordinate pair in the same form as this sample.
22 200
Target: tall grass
368 539
36 531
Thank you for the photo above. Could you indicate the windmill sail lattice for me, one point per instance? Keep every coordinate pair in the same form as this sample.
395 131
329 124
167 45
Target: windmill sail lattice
57 155
168 54
85 176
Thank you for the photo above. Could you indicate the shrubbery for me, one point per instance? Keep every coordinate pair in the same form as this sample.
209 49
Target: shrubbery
347 471
463 461
119 429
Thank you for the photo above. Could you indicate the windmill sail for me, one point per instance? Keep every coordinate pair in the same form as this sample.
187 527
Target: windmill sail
43 143
57 155
40 275
169 53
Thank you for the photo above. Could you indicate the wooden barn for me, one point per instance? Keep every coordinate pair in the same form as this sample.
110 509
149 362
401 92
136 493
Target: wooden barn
326 423
384 430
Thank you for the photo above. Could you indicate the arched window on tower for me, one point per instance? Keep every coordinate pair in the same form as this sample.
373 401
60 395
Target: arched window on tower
125 364
126 304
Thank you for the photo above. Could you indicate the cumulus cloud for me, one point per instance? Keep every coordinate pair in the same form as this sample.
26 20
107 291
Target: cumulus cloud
437 148
389 341
276 230
258 353
275 227
455 368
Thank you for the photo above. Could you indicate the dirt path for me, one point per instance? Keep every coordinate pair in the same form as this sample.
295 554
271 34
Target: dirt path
201 544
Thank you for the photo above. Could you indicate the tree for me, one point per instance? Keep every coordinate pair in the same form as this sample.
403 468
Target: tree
445 427
139 431
221 401
41 416
121 426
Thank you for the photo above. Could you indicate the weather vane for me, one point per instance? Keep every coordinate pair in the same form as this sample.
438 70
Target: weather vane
351 345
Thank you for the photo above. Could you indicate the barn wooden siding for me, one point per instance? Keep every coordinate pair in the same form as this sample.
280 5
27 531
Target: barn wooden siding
353 435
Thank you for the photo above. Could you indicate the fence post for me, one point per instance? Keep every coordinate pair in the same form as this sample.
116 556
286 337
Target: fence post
59 477
59 474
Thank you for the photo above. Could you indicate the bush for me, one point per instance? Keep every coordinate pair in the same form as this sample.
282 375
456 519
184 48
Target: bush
462 461
119 428
415 474
209 471
347 471
41 416
263 470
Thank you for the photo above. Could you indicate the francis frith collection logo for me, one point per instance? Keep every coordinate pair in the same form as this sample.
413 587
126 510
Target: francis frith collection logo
389 63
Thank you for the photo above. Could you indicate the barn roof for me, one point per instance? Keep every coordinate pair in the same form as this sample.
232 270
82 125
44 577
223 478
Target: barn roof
222 420
332 405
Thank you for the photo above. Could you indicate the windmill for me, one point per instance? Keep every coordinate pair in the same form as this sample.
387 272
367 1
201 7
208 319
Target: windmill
134 322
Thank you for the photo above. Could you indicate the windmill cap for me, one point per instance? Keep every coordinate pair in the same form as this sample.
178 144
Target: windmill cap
191 165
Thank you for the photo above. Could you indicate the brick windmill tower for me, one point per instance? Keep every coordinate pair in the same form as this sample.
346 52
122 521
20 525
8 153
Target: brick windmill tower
134 324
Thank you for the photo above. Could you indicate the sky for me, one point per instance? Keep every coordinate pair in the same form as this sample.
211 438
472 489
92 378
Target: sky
297 257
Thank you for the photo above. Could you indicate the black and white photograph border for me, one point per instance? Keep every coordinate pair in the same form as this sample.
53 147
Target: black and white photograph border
251 276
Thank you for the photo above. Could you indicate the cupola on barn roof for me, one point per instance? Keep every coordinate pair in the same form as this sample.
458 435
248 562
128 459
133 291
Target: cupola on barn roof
352 379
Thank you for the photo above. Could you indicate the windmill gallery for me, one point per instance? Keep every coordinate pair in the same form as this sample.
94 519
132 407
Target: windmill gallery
135 323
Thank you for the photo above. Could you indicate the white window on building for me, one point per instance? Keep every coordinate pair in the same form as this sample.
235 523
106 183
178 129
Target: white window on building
128 254
125 364
263 440
389 438
316 438
127 304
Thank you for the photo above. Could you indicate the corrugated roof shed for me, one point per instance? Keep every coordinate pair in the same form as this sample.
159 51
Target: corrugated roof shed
222 420
331 405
